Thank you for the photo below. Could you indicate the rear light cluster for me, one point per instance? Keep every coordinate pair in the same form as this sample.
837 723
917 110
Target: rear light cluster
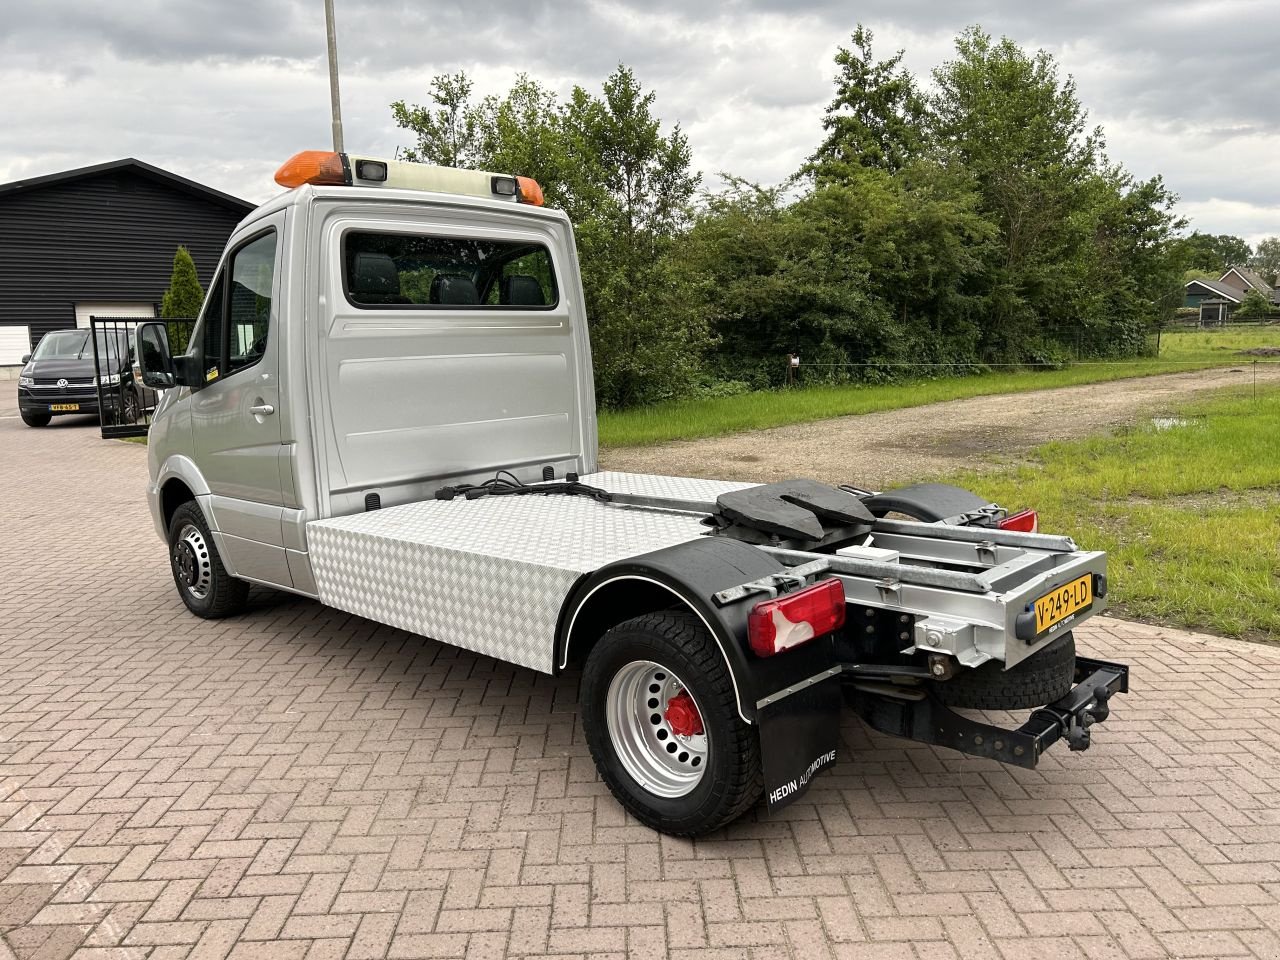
1025 522
792 620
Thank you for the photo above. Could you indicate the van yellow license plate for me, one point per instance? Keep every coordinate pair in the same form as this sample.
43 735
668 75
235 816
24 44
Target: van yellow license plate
63 407
1062 602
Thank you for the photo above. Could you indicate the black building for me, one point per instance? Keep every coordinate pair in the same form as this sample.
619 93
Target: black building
100 241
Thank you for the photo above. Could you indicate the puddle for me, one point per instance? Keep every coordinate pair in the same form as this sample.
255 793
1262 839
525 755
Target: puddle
1172 423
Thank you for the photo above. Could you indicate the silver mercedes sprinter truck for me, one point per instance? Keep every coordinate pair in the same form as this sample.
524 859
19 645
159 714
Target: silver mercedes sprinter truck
387 406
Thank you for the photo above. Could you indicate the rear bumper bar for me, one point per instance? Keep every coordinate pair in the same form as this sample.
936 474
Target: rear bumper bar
928 720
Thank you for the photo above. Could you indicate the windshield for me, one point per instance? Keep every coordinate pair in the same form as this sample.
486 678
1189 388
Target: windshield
70 345
74 345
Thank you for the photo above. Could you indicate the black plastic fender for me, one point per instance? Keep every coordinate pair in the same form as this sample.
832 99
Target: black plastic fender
691 574
928 502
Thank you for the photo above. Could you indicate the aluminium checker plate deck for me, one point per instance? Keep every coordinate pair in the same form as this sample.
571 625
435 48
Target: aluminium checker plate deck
491 575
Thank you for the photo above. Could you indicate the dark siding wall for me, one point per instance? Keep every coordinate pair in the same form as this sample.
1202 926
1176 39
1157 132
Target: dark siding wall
105 237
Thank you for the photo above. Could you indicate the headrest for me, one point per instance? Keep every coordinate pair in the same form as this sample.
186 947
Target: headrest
453 288
519 289
374 275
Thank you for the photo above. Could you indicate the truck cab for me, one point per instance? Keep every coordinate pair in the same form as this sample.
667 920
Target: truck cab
387 405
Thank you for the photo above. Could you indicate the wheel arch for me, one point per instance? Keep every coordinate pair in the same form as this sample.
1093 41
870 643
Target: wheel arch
179 481
173 494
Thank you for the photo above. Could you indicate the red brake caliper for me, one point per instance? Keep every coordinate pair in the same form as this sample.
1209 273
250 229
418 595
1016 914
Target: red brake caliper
682 715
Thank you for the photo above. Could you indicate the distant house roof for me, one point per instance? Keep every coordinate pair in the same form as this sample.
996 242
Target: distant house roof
1250 279
134 166
1217 288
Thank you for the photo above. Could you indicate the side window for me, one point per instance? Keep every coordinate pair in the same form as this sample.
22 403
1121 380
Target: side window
253 270
212 326
234 325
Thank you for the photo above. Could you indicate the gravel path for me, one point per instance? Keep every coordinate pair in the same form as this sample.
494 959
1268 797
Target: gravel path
878 450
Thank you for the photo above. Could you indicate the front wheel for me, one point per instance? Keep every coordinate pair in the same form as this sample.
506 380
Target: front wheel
662 723
202 580
36 419
131 411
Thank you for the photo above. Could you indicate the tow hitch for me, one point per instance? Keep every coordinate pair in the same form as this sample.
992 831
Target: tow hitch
915 714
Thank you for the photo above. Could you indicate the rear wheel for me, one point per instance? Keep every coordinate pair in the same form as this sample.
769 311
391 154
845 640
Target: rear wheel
1041 678
661 719
203 582
36 419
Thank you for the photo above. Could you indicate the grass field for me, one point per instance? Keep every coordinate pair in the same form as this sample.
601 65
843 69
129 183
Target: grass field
690 419
1189 514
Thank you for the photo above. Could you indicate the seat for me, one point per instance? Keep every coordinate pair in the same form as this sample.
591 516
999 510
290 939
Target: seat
520 290
449 288
375 279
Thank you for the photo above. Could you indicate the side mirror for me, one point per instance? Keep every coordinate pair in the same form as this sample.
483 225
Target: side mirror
26 357
156 362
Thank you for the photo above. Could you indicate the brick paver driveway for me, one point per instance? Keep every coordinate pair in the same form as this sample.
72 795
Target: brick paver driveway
301 783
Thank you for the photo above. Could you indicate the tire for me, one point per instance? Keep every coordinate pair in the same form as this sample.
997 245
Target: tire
1040 679
202 581
36 419
131 407
709 779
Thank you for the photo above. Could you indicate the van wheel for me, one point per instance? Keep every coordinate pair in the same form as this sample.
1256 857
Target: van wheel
661 720
36 419
203 582
131 413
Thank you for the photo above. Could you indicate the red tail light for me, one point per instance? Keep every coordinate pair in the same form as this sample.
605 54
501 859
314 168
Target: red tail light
1024 522
780 624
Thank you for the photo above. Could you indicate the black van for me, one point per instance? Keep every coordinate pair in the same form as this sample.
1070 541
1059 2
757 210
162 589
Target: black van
60 378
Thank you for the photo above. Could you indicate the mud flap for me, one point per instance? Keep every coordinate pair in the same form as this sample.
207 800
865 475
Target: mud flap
799 736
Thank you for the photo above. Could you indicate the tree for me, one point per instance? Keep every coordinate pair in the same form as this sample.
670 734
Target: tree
628 191
876 117
1214 254
185 297
522 133
1266 260
1006 119
1254 304
448 129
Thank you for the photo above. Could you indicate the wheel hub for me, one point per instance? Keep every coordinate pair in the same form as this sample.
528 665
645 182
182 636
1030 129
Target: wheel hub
656 729
187 564
682 715
192 565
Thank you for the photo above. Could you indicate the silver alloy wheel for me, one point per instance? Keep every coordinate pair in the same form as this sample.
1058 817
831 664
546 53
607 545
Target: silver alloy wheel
657 758
191 561
130 408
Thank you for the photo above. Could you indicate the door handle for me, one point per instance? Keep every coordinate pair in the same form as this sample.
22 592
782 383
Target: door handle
262 410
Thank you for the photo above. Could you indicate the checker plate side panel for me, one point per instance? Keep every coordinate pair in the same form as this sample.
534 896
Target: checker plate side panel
491 575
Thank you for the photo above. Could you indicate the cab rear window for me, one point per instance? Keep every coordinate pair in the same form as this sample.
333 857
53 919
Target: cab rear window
400 270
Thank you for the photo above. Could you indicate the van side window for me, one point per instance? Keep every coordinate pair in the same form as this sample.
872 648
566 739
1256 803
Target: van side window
212 325
253 269
233 329
399 271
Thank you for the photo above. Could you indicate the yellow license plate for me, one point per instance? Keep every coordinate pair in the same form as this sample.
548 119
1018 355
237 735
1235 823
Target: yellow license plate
1063 601
63 407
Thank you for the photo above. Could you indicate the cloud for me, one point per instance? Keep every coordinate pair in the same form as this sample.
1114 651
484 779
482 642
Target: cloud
223 91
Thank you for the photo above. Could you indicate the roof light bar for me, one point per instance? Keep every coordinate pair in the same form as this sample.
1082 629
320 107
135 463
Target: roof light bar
326 168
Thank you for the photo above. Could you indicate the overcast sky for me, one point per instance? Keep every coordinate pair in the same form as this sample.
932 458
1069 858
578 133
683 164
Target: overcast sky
224 91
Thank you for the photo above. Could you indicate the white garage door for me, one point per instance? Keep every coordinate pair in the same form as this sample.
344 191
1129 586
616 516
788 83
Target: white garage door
15 343
86 310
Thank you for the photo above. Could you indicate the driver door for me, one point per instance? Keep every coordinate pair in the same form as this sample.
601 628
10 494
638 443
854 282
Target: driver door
236 416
